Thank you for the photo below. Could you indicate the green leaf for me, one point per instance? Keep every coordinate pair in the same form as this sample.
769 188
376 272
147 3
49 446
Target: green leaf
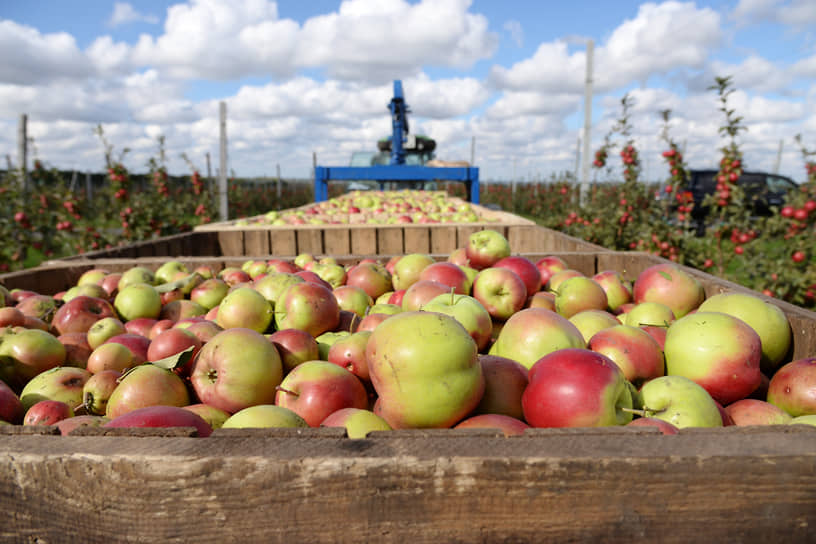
666 275
174 361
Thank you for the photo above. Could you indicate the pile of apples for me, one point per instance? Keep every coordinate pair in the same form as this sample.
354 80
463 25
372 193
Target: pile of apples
483 339
376 208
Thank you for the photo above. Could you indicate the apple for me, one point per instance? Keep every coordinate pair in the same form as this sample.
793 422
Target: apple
459 257
421 292
549 265
373 278
264 416
560 277
510 426
591 321
576 387
238 368
77 349
294 347
104 328
136 274
24 353
134 342
97 390
384 308
273 285
146 385
246 308
485 248
203 330
140 326
542 299
578 294
159 327
78 314
172 342
532 333
371 321
47 412
469 312
40 306
315 389
768 320
209 293
655 314
424 368
756 412
658 333
668 284
792 387
158 416
110 283
358 422
280 265
307 306
408 268
169 270
113 356
137 300
302 259
718 351
326 340
618 290
664 426
353 299
311 277
809 419
505 381
214 417
62 383
680 401
88 290
636 353
525 269
92 276
349 352
11 408
234 276
176 310
11 317
70 424
500 291
447 274
255 268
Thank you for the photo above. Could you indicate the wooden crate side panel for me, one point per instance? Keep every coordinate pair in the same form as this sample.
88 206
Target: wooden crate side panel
309 241
363 241
231 242
337 241
443 240
390 241
417 239
256 242
283 242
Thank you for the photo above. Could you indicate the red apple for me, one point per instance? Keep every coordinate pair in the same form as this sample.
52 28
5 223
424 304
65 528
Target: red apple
500 291
349 353
549 265
134 342
171 342
448 274
508 425
161 416
47 412
372 278
532 333
664 426
146 385
11 409
505 381
295 347
793 387
485 248
140 326
636 353
307 306
525 269
77 349
756 412
670 285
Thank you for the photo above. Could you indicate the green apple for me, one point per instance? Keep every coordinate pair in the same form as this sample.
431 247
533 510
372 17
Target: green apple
591 321
264 416
532 333
138 300
679 401
169 271
244 307
63 383
358 422
655 314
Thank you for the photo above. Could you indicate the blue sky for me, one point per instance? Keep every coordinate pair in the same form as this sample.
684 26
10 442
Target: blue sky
315 76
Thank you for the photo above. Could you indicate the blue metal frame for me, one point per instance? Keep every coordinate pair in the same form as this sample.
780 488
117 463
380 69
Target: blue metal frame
384 173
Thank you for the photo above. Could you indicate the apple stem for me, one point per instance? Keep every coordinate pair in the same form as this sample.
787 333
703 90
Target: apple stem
642 413
279 388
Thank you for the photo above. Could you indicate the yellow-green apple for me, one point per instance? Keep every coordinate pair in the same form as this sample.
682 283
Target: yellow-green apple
500 291
448 274
264 416
11 409
88 290
215 417
136 274
549 265
246 308
358 422
532 333
384 308
591 321
768 320
63 383
578 294
542 299
47 412
680 401
24 353
793 387
471 274
718 351
113 356
468 311
664 426
505 381
421 292
315 389
103 329
303 259
161 416
459 257
756 412
353 299
294 347
635 352
508 425
576 387
68 425
671 285
137 300
273 285
373 278
255 268
169 270
618 290
307 306
349 353
136 343
408 268
525 269
424 368
146 385
210 292
809 419
238 368
92 276
97 390
326 340
485 248
560 277
649 313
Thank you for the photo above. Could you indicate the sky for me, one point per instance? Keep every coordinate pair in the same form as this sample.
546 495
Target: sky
501 82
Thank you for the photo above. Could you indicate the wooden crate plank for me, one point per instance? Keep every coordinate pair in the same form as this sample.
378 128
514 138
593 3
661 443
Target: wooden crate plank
363 241
231 242
283 242
309 240
337 241
443 239
390 240
417 239
256 242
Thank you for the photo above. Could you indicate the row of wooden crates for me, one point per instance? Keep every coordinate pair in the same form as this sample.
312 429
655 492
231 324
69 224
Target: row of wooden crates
315 485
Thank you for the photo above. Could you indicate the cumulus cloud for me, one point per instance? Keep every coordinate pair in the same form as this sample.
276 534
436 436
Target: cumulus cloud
124 13
516 32
798 14
30 57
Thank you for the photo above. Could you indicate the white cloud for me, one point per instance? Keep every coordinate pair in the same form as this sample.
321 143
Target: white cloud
516 32
30 57
798 14
124 13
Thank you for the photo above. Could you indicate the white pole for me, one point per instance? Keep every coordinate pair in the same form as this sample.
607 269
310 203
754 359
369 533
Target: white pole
577 156
222 168
587 120
22 150
779 157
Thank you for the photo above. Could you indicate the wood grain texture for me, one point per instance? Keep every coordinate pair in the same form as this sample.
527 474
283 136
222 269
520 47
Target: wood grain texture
256 242
604 485
417 239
